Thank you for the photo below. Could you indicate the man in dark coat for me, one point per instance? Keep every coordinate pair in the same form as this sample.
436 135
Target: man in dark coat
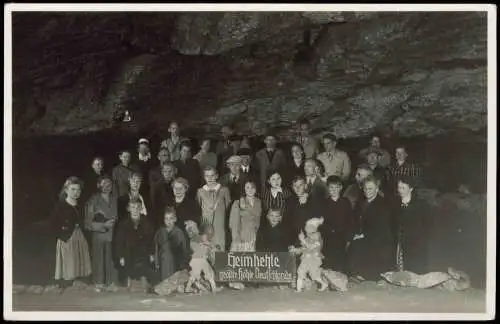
133 246
189 169
235 179
270 158
249 167
144 164
163 193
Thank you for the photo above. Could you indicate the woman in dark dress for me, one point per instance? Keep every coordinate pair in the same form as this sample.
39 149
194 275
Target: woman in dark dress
295 165
412 223
185 207
337 229
372 247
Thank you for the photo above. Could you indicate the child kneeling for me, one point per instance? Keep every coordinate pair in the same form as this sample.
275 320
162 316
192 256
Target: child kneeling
202 249
311 256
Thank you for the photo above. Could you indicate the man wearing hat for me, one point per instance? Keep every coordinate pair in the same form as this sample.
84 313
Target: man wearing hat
234 180
144 163
248 167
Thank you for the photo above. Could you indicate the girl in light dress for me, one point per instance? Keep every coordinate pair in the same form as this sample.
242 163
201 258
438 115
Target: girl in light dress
311 256
214 200
244 222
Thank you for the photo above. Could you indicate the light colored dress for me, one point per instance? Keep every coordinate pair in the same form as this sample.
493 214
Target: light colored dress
311 258
244 222
103 268
214 203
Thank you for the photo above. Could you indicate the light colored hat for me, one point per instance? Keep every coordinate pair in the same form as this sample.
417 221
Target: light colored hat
315 222
143 141
234 159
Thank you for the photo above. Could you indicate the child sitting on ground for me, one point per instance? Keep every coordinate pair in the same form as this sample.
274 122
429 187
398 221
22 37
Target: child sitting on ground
311 256
202 249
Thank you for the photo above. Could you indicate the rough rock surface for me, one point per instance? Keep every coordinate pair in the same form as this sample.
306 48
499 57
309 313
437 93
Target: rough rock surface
420 73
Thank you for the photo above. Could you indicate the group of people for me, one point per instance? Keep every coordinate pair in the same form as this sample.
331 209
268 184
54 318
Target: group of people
148 219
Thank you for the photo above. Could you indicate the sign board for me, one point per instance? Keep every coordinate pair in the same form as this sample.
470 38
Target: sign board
254 267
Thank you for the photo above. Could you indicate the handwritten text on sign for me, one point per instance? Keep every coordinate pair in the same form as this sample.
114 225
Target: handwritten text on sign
254 266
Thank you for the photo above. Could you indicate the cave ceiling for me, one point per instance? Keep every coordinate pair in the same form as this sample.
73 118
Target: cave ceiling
351 73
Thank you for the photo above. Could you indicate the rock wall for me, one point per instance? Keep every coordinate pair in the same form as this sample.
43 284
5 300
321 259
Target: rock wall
406 74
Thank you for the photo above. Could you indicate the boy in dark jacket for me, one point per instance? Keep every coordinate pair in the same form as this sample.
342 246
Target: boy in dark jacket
273 236
134 246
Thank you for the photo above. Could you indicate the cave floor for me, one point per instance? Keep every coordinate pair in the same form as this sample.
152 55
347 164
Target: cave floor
367 297
33 259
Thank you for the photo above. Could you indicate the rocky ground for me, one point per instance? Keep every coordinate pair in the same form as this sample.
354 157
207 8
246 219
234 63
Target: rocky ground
367 297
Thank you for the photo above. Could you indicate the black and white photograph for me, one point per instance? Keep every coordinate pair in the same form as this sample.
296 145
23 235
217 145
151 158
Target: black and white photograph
249 161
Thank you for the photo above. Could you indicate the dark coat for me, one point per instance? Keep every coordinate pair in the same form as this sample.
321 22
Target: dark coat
236 189
172 252
155 177
65 218
135 246
90 184
278 162
188 209
190 170
337 230
253 175
298 214
162 196
415 221
144 168
318 189
292 170
273 239
373 254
